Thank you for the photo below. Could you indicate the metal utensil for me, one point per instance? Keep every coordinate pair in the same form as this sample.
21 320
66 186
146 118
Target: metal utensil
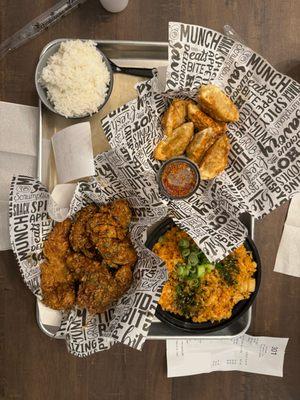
145 72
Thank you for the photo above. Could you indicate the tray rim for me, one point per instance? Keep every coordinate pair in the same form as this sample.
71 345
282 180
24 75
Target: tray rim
39 175
137 43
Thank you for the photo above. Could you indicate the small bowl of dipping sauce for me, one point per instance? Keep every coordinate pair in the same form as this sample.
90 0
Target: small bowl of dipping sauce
178 178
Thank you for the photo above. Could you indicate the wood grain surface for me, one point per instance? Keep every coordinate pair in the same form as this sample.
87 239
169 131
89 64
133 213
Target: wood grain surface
34 367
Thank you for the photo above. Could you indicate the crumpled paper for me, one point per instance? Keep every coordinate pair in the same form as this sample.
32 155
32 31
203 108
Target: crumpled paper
264 161
116 177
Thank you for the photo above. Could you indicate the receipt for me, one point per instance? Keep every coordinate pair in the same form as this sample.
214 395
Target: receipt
256 354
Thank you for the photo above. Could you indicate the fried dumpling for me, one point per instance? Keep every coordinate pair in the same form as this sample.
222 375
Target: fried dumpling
174 116
200 144
176 144
217 104
203 121
215 159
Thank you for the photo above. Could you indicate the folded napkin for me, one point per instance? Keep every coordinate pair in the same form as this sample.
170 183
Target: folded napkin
18 153
260 355
288 255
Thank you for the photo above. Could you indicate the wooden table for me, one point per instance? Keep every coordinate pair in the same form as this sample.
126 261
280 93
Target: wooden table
35 367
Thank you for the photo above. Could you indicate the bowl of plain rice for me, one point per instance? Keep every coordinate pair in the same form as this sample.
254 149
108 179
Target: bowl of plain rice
73 78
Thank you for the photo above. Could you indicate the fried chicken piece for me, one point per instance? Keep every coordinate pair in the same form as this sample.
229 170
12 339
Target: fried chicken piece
200 144
217 104
123 278
202 121
105 226
99 290
57 243
108 230
175 144
79 237
111 222
80 265
216 158
174 116
57 285
121 212
117 251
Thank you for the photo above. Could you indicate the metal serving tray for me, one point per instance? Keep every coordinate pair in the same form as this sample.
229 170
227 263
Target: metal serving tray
130 54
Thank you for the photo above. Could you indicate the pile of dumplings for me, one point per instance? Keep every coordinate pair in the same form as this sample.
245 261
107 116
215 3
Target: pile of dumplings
198 130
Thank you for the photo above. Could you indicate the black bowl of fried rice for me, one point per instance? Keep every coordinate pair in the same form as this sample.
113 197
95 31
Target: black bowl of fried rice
185 321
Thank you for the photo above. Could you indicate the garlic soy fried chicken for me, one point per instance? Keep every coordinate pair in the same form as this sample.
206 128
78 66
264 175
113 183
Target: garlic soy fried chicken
121 212
57 283
72 273
80 265
117 251
108 231
57 244
100 289
79 237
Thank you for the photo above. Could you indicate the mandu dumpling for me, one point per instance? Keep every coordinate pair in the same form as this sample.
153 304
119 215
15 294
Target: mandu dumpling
176 144
174 116
215 159
203 121
200 144
217 104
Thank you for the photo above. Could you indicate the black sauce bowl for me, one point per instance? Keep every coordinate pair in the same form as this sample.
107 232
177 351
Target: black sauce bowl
188 162
187 325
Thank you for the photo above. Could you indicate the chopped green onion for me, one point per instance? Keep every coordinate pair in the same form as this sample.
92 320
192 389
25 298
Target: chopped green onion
185 252
184 243
200 271
208 267
195 282
181 270
193 259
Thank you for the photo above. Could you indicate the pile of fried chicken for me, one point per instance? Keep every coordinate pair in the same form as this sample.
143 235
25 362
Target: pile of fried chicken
89 261
199 130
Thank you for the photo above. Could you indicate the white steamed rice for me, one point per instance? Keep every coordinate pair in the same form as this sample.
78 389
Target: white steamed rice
76 78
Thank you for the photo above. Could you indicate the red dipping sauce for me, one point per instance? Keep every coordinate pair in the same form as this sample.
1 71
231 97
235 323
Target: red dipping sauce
179 178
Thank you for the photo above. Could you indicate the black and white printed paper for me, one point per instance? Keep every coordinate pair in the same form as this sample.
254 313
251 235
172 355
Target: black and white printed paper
264 161
116 176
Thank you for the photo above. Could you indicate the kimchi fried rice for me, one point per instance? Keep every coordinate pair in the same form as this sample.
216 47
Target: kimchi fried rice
198 289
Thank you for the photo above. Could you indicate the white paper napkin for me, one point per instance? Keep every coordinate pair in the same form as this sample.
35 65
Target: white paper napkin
288 255
73 152
18 153
19 128
13 164
260 355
